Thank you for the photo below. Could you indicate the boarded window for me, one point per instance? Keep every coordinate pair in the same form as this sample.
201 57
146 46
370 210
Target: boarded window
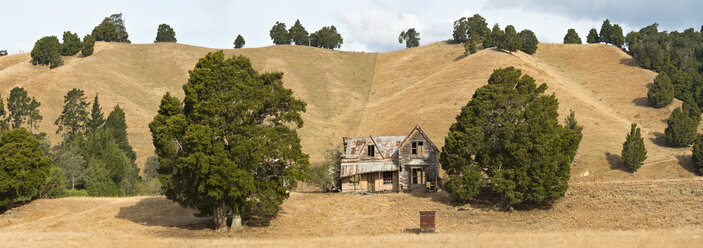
416 148
371 151
419 148
388 177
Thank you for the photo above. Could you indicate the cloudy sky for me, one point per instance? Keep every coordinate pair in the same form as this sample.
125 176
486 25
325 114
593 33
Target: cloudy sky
365 25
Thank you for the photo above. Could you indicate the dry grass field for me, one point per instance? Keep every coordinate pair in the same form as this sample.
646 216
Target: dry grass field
645 213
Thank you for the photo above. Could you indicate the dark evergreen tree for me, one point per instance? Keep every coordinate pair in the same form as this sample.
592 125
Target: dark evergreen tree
528 41
239 42
233 145
87 45
279 34
326 37
617 39
151 167
71 44
22 110
469 47
117 127
495 39
47 51
164 33
74 116
606 32
510 133
697 154
461 30
633 151
23 166
410 37
661 93
681 129
96 119
572 37
298 34
511 41
467 28
592 36
111 29
573 125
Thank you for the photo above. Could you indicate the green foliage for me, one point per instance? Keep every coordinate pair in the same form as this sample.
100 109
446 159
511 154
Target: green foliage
467 28
633 151
325 175
572 37
571 124
606 32
681 128
509 131
164 33
151 167
148 187
111 29
233 145
698 154
71 44
73 165
529 41
298 34
96 119
495 39
410 37
23 110
617 39
279 34
75 193
47 51
109 171
661 93
116 125
327 37
54 185
23 167
511 41
592 36
469 47
239 42
609 34
87 45
74 116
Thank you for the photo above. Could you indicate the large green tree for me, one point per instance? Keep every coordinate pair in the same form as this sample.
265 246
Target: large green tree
528 41
164 33
232 145
681 128
96 119
87 45
410 37
510 133
572 37
633 151
495 38
116 125
111 29
298 34
73 165
22 110
74 116
326 37
239 42
71 44
606 32
661 93
474 27
47 51
592 36
23 166
511 42
279 34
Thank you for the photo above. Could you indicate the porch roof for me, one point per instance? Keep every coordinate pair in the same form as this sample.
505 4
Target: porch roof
362 167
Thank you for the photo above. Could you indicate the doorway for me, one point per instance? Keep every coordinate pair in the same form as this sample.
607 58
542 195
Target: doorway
371 182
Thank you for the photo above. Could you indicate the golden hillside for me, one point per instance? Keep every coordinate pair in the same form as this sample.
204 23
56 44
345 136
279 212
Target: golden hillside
352 93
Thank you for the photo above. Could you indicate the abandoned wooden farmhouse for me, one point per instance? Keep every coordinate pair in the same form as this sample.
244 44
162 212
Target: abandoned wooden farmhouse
390 163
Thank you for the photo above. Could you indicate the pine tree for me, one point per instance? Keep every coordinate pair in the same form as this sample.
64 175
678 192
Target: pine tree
606 32
410 37
164 33
116 125
572 37
88 45
74 116
298 34
279 34
22 110
71 44
239 42
697 154
592 36
661 93
96 119
528 41
633 151
47 51
681 129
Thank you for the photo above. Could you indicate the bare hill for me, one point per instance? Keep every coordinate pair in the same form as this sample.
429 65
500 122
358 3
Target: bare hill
352 94
646 213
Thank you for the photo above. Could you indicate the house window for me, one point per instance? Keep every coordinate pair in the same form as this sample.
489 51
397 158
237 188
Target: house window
388 177
416 148
371 151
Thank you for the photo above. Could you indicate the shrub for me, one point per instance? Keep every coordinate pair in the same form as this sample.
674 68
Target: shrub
239 42
633 150
572 37
23 166
681 129
325 175
661 93
47 51
165 33
88 43
71 44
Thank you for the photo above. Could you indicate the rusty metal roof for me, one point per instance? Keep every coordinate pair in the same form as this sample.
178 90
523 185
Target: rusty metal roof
354 146
361 167
388 145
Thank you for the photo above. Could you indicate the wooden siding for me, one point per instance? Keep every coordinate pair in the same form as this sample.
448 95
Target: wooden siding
363 184
428 159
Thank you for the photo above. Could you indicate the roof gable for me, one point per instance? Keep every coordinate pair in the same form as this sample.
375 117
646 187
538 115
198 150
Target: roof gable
422 132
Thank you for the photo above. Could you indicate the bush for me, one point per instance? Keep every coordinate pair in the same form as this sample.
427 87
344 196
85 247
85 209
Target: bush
325 175
148 187
239 42
572 37
681 129
698 154
633 150
47 51
87 47
71 44
23 167
661 93
529 41
592 36
75 193
165 34
327 37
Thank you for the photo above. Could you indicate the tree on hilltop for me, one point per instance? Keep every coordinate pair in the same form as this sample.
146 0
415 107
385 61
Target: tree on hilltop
239 42
410 37
528 41
298 34
326 37
572 37
279 34
164 33
592 36
71 44
47 51
87 45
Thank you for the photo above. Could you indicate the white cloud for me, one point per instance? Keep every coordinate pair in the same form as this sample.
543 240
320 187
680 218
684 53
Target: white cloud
378 28
21 47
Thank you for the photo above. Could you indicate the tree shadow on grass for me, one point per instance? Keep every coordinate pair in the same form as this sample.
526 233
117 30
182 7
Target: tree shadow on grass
615 162
14 204
659 139
686 162
487 199
641 102
163 212
630 62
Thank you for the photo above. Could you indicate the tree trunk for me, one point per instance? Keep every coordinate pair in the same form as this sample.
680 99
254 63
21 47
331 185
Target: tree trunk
236 223
220 217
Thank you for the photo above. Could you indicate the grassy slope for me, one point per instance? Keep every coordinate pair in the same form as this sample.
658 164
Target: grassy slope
427 85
